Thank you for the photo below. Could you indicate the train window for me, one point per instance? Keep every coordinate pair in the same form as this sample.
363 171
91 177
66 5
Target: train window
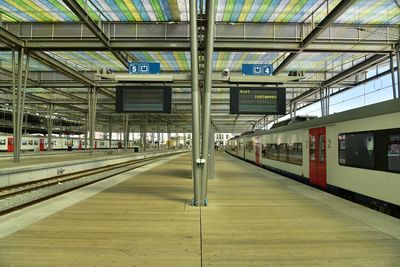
283 153
312 147
296 153
273 151
393 152
250 146
35 142
24 142
357 149
321 141
2 141
264 150
30 142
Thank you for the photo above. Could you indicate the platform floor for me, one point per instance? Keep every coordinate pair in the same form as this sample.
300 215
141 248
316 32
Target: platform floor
143 218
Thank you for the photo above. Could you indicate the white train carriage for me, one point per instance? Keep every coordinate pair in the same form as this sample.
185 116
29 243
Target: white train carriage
355 153
40 143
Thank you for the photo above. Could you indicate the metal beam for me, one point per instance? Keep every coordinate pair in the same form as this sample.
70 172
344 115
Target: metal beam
10 39
83 16
355 69
330 18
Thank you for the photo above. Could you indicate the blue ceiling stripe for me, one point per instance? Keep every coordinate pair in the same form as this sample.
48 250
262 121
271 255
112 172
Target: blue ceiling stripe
16 10
54 9
142 10
117 11
237 10
103 12
253 10
167 11
306 9
274 4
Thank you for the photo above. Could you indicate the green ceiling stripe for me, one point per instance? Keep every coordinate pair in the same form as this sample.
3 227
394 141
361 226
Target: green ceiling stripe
125 10
92 14
26 8
174 10
66 11
75 57
261 11
109 58
230 4
158 10
184 60
245 10
294 11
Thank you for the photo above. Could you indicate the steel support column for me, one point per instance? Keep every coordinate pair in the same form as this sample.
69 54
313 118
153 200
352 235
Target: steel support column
19 102
392 74
398 71
196 171
50 125
92 117
145 133
210 14
110 133
86 127
126 131
158 134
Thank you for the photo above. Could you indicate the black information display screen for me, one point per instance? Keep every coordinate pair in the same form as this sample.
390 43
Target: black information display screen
258 100
152 99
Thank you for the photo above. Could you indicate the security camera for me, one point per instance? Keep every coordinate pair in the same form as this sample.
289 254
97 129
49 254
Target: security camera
226 72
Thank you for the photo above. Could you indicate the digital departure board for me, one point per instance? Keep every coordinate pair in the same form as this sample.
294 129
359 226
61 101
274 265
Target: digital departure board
258 100
150 99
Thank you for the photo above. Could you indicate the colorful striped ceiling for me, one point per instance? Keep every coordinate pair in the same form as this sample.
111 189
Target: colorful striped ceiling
234 60
34 65
89 60
170 61
36 11
276 11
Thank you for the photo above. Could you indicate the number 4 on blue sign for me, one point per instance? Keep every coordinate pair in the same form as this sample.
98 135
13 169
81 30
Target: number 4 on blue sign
267 69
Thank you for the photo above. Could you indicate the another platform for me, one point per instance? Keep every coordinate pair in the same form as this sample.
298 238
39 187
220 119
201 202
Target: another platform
143 218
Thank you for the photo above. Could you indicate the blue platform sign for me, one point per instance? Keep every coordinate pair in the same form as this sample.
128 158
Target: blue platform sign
144 68
257 69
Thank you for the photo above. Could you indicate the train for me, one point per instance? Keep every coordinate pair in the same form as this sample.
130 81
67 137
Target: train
40 143
353 154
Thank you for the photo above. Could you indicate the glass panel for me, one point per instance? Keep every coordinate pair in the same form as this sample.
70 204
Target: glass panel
296 153
393 152
2 141
264 151
321 148
312 147
283 153
273 152
250 146
357 150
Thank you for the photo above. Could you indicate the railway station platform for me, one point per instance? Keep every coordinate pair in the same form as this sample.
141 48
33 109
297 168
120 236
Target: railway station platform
144 218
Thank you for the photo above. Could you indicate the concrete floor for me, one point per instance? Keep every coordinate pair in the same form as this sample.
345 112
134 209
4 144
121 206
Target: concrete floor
255 218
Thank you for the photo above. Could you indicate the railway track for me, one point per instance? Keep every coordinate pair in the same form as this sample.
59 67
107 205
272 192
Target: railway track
18 196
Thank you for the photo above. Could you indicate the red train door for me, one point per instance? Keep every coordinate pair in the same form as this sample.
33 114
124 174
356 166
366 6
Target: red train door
317 149
80 145
10 144
95 144
41 144
258 161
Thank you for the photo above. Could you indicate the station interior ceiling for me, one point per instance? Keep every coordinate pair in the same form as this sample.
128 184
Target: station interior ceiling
312 44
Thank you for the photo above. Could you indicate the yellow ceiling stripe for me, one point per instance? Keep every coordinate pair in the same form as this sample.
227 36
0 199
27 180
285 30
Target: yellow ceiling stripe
245 10
132 9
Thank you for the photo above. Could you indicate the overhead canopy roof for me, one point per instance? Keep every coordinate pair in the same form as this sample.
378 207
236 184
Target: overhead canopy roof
326 41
